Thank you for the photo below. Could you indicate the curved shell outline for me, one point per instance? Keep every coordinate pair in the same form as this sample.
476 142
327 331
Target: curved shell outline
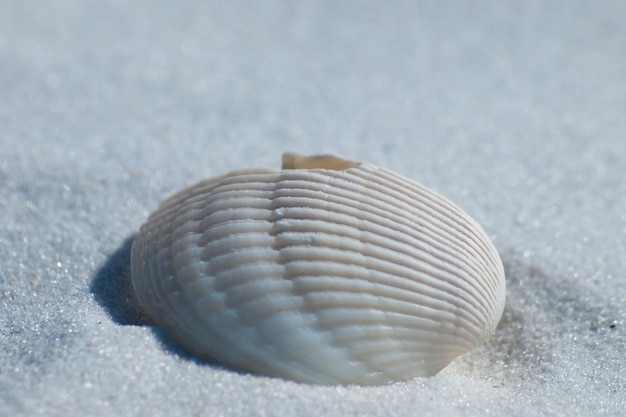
327 271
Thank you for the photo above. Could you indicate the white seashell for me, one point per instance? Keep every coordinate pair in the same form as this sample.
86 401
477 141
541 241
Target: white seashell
328 271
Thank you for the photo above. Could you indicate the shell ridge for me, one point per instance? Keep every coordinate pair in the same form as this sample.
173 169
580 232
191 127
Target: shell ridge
387 222
438 207
411 234
427 260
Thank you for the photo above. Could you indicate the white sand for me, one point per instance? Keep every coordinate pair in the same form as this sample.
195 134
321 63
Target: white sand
514 110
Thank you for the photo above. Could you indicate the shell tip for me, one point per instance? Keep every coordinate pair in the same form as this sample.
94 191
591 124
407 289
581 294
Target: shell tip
323 161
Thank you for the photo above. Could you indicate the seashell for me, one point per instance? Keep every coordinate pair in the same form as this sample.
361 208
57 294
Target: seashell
328 272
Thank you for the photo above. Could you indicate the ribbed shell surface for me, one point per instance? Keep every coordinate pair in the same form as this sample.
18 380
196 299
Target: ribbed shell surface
354 276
